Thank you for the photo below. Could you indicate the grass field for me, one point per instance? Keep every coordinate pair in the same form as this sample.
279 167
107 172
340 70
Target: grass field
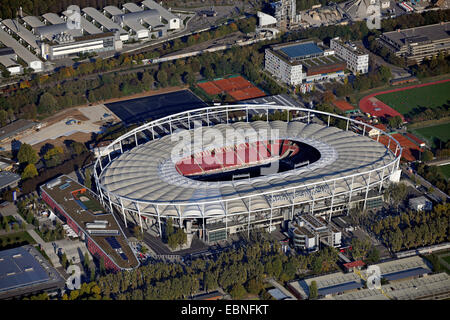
445 170
14 240
405 101
441 131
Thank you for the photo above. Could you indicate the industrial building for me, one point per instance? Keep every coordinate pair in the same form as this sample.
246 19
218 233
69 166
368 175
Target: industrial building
55 36
418 43
8 59
308 231
94 225
65 45
303 62
400 273
357 61
8 179
23 53
24 271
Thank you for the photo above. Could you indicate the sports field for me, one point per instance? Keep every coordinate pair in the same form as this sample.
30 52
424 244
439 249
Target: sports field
405 101
445 170
441 131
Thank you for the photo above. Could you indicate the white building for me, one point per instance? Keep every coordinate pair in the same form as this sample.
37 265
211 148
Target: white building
303 62
265 19
307 231
420 204
357 61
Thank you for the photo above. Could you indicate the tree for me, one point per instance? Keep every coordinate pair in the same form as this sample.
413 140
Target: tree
27 155
395 122
30 171
427 155
238 292
87 178
313 291
47 103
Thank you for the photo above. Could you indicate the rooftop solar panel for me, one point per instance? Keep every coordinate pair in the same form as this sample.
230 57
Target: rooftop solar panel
301 50
124 256
340 288
113 242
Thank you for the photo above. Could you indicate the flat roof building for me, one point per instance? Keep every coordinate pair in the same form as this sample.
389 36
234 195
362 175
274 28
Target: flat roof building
303 61
8 58
418 43
30 59
15 128
24 271
96 17
173 21
8 179
94 224
357 61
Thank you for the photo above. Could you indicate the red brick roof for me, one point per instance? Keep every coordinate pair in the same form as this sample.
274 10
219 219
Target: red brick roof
358 263
415 139
380 126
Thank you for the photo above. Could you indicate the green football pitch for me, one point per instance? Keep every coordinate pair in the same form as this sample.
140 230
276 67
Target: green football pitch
431 96
441 131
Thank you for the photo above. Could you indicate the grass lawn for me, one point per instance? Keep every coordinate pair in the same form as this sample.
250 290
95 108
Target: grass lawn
14 240
445 170
441 131
430 97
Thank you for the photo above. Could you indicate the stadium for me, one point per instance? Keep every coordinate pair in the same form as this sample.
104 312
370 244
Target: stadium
215 177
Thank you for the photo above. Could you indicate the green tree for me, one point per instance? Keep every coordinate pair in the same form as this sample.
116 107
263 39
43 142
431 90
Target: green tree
427 155
30 171
395 122
313 291
47 103
26 154
87 178
238 292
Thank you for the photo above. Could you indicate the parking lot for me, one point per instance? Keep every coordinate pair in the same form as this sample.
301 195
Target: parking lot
77 123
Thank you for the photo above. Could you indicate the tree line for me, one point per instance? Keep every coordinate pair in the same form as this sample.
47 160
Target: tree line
239 271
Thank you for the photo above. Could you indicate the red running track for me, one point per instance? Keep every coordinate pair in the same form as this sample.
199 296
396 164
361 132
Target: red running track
380 109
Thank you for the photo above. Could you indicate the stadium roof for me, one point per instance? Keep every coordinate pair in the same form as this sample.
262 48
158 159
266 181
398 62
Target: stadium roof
301 50
343 153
